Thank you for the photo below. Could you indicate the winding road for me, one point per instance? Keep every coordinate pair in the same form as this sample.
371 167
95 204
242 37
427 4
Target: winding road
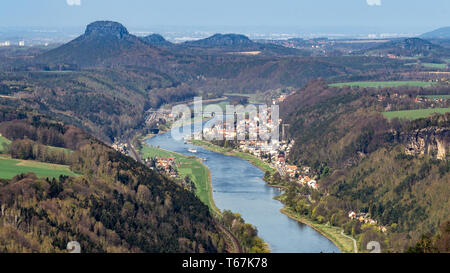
355 247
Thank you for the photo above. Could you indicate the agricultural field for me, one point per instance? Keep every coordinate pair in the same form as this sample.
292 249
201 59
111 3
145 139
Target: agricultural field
187 166
437 96
11 167
414 114
434 65
429 65
252 98
222 104
383 84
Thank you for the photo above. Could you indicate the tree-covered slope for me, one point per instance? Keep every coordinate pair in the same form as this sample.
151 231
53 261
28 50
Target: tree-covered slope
115 205
396 171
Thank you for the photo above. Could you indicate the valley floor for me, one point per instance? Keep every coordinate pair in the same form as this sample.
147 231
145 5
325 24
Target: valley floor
345 243
188 166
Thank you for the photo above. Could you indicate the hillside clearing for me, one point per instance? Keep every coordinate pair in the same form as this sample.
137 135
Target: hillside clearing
11 167
383 84
414 114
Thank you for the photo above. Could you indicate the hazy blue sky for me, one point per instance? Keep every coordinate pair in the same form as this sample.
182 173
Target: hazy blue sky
406 15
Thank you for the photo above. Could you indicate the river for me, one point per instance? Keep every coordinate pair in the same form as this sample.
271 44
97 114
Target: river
238 186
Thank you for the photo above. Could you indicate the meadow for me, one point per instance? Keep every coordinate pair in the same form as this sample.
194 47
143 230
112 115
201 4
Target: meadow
188 166
429 65
434 65
437 96
252 98
414 114
11 167
383 84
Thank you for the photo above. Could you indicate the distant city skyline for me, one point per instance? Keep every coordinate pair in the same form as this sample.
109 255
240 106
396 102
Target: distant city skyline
409 16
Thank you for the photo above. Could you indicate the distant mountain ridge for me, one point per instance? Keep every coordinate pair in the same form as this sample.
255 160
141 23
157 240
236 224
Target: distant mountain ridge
156 39
106 28
103 42
108 43
409 47
440 33
240 43
223 40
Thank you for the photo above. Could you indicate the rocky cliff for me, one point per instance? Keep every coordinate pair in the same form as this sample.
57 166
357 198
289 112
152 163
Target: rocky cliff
103 28
433 141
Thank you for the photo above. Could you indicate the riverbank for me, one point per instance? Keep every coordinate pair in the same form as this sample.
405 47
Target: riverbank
192 169
228 151
188 166
334 234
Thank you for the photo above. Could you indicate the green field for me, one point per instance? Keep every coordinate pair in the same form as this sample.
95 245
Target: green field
436 96
414 114
188 166
383 84
429 65
11 167
3 142
252 98
434 65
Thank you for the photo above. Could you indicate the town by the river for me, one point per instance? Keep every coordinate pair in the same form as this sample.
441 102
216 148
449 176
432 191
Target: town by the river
239 186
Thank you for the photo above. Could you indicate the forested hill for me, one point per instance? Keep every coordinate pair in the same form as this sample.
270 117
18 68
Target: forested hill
103 43
410 47
440 33
396 171
223 40
156 39
238 43
105 80
115 205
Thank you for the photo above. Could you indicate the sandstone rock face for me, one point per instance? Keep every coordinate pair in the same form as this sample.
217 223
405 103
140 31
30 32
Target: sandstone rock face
432 141
103 28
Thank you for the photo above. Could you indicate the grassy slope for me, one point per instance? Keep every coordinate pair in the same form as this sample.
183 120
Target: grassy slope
188 166
414 114
437 96
434 65
2 142
382 84
11 167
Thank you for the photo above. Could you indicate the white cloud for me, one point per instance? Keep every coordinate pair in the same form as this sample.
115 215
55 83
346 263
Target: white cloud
73 2
374 2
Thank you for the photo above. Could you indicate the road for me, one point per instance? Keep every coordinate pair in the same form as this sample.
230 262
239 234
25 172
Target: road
279 170
355 247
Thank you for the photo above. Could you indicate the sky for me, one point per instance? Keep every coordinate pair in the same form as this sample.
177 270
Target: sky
385 15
